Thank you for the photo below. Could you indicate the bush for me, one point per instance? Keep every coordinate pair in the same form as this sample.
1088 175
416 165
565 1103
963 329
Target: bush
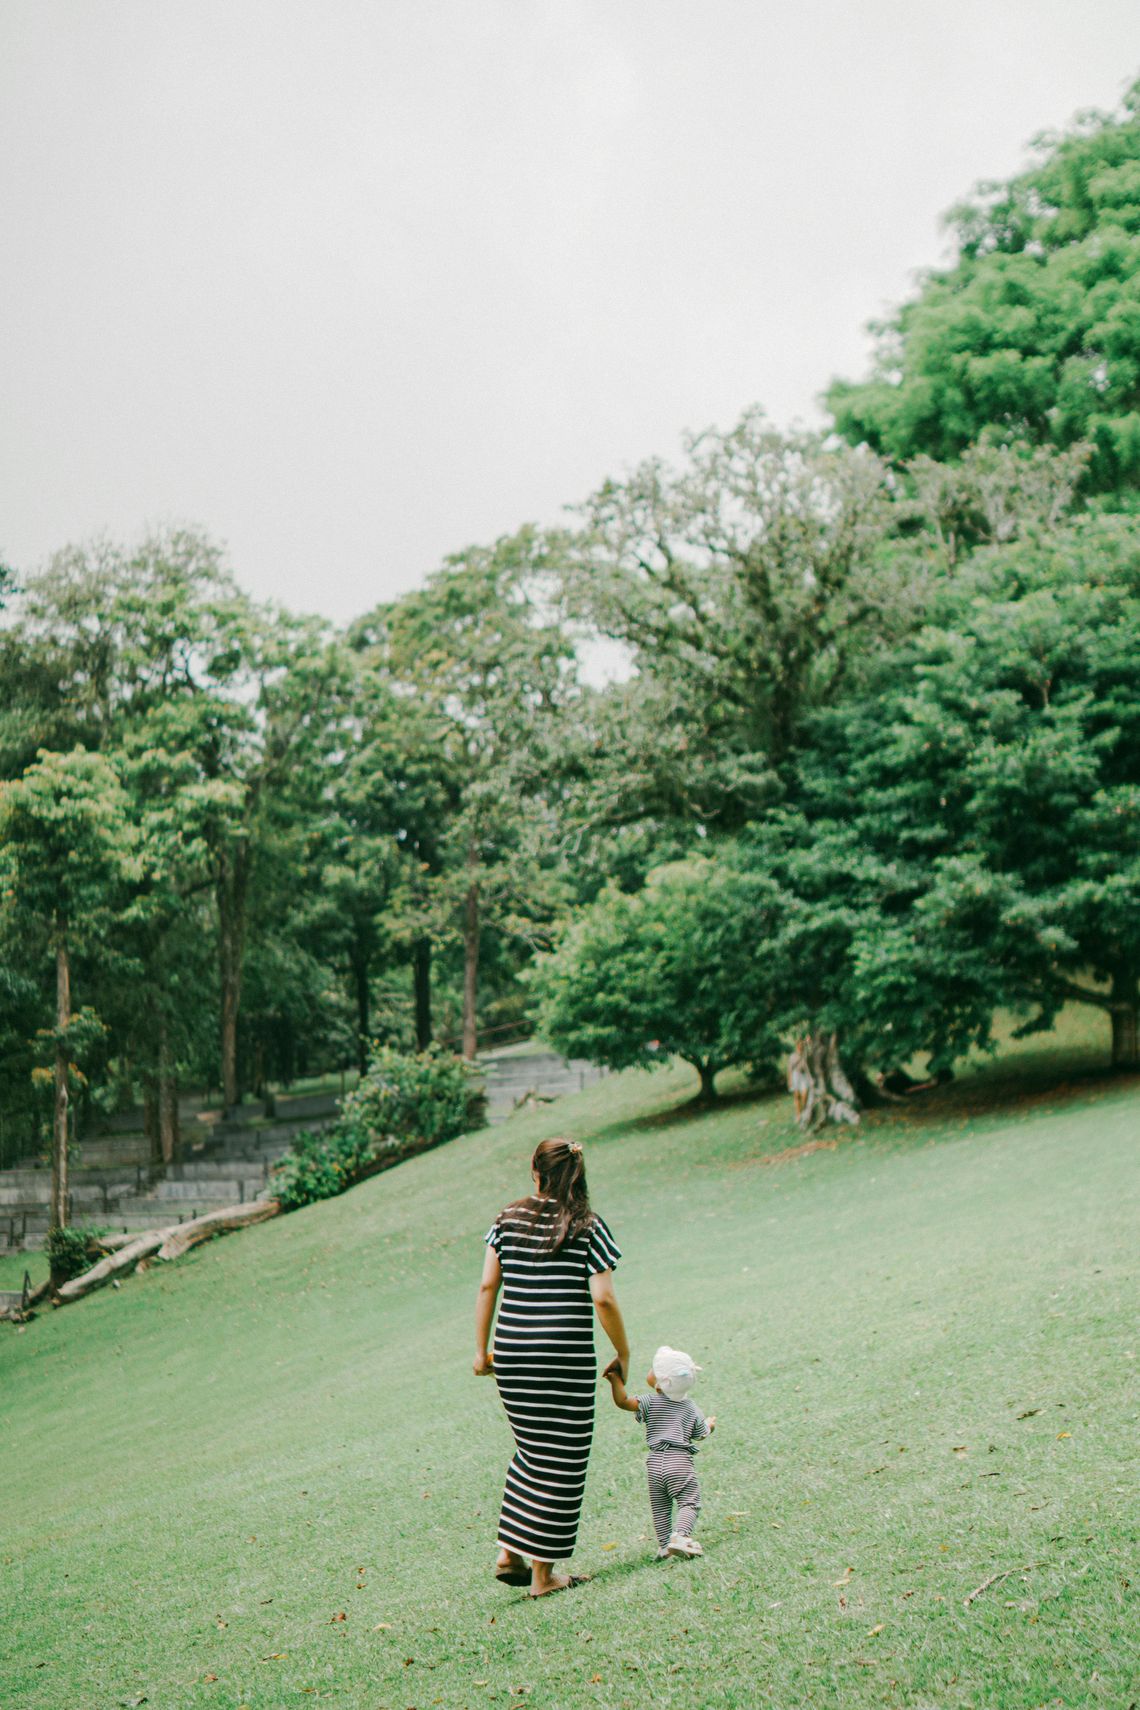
320 1166
68 1252
422 1097
405 1103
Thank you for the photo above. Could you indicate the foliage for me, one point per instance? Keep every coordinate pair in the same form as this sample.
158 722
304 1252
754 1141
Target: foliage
688 967
993 780
416 1097
406 1102
68 1251
321 1166
1034 330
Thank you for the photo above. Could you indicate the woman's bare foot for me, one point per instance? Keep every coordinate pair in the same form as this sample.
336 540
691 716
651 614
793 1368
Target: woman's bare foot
543 1579
511 1568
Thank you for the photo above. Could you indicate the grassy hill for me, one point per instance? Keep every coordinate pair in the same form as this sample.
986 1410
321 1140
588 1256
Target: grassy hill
266 1477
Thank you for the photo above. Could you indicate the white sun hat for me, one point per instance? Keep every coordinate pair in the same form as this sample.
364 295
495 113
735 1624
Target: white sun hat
675 1372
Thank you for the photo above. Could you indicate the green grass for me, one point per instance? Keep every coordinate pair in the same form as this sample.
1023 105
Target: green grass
921 1345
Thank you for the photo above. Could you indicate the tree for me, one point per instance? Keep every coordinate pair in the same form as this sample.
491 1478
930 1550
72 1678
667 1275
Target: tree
996 776
155 649
689 967
748 588
480 651
1034 330
69 853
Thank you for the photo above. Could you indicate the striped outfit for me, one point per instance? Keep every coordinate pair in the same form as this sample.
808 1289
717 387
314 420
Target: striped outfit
545 1368
671 1428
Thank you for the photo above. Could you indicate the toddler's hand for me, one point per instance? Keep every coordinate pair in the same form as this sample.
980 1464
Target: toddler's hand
711 1423
613 1370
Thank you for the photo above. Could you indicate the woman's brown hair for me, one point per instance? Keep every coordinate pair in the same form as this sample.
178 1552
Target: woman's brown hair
561 1173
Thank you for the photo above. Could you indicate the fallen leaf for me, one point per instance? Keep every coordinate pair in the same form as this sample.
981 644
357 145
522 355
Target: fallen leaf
595 1680
381 1626
481 1683
1029 1413
614 1546
220 1622
846 1577
1061 1434
275 1656
341 1617
871 1631
209 1677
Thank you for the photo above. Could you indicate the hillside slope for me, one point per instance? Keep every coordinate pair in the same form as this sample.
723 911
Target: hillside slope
919 1344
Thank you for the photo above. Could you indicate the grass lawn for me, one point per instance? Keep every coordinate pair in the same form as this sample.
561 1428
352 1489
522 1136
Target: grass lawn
266 1477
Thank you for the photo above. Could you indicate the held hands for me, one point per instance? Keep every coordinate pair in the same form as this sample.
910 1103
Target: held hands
613 1370
484 1365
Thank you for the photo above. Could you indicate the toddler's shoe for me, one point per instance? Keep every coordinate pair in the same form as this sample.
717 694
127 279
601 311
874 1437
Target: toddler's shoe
681 1545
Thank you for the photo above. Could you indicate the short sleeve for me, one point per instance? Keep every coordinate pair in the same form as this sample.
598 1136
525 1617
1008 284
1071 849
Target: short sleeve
603 1252
494 1236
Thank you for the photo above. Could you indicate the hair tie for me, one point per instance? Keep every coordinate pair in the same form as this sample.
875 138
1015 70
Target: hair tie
574 1146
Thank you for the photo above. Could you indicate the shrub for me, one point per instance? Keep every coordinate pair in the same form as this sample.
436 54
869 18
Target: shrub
422 1097
68 1252
319 1166
405 1103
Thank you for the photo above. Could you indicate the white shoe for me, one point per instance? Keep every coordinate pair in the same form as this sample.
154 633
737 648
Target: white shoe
682 1545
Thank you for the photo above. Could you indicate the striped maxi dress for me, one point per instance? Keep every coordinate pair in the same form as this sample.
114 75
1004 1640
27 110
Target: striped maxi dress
546 1371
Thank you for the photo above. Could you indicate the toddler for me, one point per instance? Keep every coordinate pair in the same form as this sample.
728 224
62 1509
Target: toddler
673 1424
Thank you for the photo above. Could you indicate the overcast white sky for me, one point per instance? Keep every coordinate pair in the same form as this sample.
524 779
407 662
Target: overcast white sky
355 283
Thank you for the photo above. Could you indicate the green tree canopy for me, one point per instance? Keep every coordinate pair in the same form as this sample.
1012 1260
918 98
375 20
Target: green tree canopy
1034 330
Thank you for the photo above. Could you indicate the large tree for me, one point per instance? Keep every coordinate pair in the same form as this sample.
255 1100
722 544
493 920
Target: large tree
1033 330
69 854
993 777
480 653
748 587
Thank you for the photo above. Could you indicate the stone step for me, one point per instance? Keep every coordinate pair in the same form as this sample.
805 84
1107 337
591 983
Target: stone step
162 1211
227 1189
209 1170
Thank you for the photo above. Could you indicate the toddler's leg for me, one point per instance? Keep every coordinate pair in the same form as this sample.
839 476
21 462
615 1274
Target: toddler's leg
688 1505
661 1505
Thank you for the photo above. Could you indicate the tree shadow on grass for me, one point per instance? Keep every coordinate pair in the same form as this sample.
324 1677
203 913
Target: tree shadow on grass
1021 1085
686 1110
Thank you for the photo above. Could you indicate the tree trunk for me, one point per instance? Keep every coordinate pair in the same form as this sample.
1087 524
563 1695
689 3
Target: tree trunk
830 1097
150 1119
1125 1041
707 1072
59 1139
421 975
169 1135
470 958
363 1010
232 886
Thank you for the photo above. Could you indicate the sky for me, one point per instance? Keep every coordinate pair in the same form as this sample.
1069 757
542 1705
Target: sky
354 284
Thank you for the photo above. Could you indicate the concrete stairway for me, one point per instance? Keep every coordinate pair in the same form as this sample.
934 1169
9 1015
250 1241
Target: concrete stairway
228 1160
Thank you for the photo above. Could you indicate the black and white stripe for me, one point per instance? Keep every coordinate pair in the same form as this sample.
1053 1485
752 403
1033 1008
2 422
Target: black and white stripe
547 1374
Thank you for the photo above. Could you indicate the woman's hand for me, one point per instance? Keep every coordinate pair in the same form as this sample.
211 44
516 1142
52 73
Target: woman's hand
484 1364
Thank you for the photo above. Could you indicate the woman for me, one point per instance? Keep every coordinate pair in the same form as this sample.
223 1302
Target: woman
554 1259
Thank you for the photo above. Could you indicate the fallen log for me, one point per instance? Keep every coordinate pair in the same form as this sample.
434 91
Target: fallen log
114 1243
183 1236
123 1260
